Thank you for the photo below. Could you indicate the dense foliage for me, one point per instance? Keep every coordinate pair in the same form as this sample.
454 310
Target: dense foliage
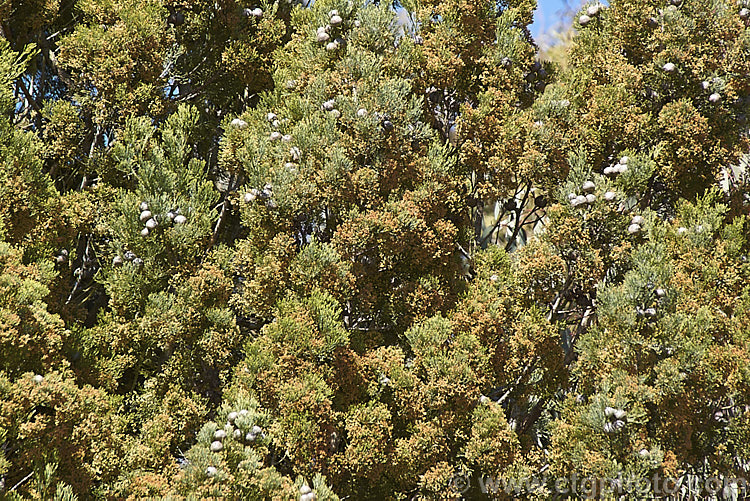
364 250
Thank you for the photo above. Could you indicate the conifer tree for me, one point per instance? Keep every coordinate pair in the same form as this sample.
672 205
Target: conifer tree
349 250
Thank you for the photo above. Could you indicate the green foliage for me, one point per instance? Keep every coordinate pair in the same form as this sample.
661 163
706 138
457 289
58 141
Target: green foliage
31 338
492 445
60 432
368 250
666 350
